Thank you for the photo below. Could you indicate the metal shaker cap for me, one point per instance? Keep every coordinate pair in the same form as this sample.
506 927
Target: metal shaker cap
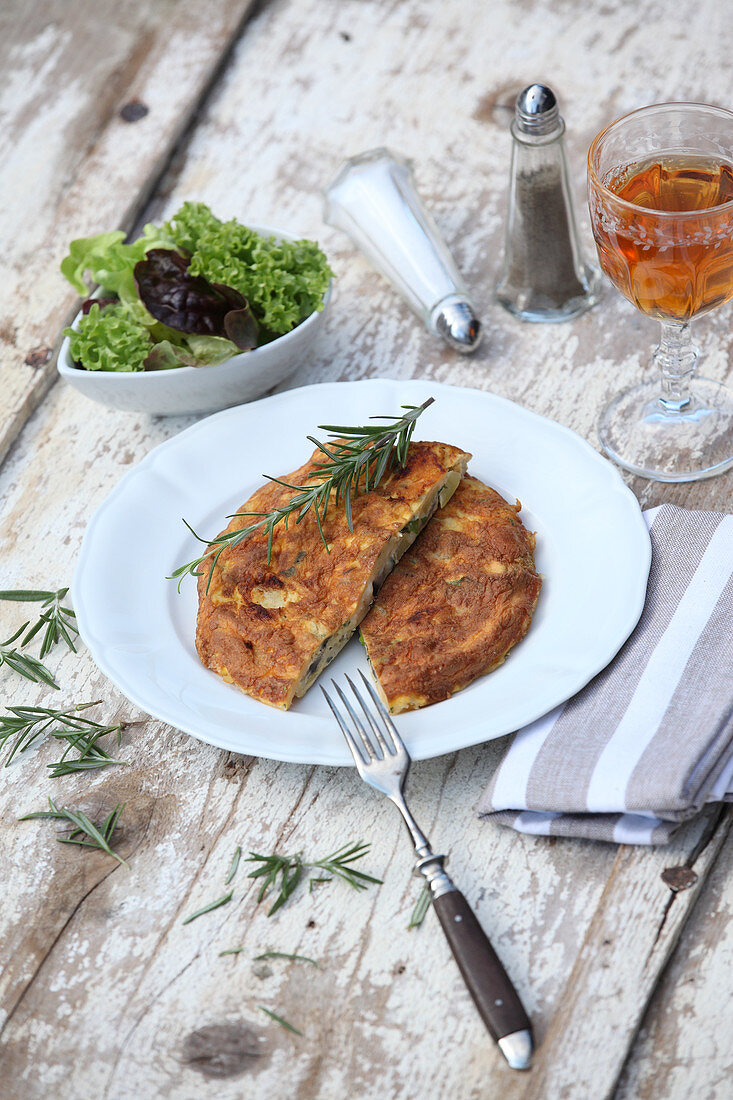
455 320
536 110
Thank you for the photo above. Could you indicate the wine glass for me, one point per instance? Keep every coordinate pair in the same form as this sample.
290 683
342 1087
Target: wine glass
661 202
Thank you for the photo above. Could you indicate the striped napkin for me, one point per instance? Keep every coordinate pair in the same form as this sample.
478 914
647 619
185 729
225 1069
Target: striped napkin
650 740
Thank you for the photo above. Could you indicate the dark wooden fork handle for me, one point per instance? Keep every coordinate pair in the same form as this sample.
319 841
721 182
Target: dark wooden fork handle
487 980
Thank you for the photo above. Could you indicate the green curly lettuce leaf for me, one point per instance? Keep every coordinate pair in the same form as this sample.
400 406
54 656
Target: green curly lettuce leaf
109 338
111 264
283 281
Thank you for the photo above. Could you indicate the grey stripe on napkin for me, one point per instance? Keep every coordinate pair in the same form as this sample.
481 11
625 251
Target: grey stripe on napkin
642 746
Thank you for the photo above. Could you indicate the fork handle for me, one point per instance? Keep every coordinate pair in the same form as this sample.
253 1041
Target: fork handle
487 980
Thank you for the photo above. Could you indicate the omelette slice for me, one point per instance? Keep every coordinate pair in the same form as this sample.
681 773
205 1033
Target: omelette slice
456 604
271 628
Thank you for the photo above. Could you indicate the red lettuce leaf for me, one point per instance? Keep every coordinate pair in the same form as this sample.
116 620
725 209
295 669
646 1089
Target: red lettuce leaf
188 303
241 328
101 302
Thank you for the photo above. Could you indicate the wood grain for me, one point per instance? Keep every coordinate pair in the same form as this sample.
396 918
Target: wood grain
105 992
683 1036
71 162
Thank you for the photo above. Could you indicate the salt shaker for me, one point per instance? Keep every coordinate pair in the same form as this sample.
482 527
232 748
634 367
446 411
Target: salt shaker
373 198
544 277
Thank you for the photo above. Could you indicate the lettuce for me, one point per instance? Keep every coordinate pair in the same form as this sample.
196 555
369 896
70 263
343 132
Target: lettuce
109 339
111 264
188 303
203 291
283 281
192 351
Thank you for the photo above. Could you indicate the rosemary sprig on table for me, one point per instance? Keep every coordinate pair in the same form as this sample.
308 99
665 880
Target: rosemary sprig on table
233 865
59 621
286 872
355 460
91 755
288 868
339 864
23 664
84 832
24 725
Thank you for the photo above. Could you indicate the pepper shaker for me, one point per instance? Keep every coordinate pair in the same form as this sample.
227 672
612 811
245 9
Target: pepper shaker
544 277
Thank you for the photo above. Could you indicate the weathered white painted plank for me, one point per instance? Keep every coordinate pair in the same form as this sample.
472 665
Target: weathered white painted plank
633 931
69 163
685 1036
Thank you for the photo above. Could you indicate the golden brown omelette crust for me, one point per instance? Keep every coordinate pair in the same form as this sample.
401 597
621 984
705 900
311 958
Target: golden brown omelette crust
458 601
259 625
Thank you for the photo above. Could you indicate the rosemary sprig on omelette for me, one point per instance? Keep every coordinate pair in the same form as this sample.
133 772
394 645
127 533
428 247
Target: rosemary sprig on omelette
356 458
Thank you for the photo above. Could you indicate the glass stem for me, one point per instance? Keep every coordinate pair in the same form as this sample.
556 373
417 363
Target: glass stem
676 358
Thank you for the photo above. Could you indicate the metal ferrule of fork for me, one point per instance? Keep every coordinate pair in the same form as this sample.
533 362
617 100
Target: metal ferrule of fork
431 867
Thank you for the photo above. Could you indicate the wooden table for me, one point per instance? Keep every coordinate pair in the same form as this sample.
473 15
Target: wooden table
104 993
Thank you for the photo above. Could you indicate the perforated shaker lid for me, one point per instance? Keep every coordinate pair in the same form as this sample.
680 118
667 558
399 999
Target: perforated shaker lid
536 110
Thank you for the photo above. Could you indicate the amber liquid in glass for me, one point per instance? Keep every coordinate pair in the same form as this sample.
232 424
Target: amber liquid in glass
671 268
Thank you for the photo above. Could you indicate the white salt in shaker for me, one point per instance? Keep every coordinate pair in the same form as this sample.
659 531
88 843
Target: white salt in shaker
373 198
544 277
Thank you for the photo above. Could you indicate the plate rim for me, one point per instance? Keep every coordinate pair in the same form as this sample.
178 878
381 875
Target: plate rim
312 756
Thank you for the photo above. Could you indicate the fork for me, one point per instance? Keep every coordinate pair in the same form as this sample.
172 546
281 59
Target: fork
383 762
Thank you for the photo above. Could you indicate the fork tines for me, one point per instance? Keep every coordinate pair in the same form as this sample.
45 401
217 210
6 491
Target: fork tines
382 741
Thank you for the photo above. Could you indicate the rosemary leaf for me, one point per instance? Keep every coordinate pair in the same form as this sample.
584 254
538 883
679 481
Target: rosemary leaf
84 833
355 458
234 865
25 595
59 621
316 880
25 665
232 951
421 907
282 955
90 764
279 1020
209 907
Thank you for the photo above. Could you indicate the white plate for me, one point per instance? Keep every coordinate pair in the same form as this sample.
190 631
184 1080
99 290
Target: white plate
592 547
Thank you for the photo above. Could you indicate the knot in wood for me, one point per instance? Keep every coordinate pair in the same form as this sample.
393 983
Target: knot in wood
222 1050
38 357
679 878
134 111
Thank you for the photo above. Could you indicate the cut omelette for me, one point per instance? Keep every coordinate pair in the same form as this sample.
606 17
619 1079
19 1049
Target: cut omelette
456 604
271 628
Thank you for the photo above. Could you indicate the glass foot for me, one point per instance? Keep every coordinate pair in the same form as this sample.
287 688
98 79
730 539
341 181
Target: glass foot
696 441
